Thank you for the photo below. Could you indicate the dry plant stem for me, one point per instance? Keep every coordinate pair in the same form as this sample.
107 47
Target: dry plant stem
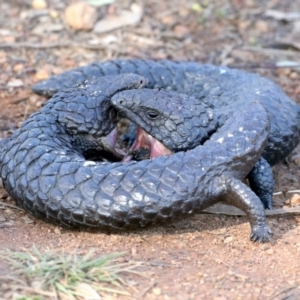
5 205
58 45
222 209
271 52
62 273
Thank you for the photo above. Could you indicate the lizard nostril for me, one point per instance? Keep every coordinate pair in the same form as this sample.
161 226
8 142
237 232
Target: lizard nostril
121 101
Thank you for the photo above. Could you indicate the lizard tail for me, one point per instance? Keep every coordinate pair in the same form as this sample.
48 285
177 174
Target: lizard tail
298 107
2 144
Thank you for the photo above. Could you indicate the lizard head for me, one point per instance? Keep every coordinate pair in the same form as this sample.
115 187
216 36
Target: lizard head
167 121
86 113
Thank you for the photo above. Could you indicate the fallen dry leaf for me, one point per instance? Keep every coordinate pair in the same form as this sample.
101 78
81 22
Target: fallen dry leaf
15 83
87 291
100 2
41 75
156 291
296 159
295 200
39 4
282 16
27 220
228 240
126 18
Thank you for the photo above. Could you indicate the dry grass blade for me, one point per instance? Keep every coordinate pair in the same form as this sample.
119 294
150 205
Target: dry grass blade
230 210
66 273
5 205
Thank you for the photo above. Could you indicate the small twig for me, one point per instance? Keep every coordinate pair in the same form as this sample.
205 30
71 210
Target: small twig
16 279
59 45
229 210
4 88
10 206
115 49
269 65
168 12
225 53
268 51
42 46
142 294
33 290
19 100
223 262
34 45
284 290
293 191
5 225
243 277
26 112
287 43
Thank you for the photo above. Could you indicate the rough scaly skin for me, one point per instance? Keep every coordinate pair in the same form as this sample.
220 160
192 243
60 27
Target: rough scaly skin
182 122
178 121
43 171
224 89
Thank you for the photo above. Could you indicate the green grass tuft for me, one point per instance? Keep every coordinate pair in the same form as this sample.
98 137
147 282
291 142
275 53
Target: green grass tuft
50 274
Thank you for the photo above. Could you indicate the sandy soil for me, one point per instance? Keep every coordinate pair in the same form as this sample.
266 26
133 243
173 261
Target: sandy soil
207 256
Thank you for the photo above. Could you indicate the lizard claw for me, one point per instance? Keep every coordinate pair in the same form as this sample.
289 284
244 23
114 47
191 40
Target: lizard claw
261 234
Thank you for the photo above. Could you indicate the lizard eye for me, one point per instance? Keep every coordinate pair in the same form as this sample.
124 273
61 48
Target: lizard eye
152 114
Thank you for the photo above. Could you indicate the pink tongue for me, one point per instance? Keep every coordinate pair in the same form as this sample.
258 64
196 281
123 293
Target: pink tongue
145 140
110 141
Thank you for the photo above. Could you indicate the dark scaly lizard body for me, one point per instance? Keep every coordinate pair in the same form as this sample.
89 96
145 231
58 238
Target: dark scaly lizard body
223 89
49 176
180 122
220 87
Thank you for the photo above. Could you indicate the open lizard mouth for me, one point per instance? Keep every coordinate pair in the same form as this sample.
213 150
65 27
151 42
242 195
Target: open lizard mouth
145 146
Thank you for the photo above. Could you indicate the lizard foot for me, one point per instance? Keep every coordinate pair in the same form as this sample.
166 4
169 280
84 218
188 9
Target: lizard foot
261 234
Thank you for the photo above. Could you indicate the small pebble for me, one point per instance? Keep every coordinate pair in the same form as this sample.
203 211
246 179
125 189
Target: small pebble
270 251
228 240
33 100
15 83
294 75
262 26
133 251
156 291
39 4
81 16
57 231
296 159
27 220
295 200
41 75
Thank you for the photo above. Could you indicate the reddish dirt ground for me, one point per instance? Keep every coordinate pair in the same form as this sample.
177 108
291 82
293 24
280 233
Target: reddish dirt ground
206 256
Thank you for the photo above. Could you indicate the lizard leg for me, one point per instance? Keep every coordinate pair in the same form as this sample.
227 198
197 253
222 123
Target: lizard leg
242 197
261 182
